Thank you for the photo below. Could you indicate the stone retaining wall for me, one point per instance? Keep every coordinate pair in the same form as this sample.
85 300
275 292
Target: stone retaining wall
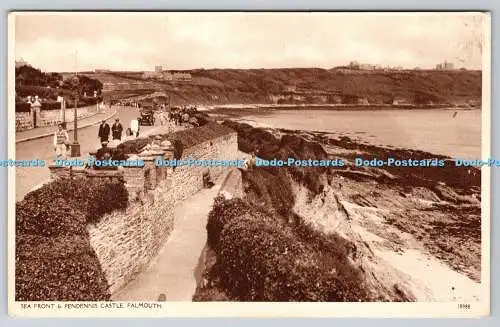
24 120
125 242
188 180
232 187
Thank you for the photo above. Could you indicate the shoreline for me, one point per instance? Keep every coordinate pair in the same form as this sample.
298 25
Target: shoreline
339 107
402 222
258 118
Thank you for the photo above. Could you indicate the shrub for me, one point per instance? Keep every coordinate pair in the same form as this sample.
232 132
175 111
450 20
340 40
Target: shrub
202 118
54 258
29 246
93 198
72 278
193 136
261 258
222 212
23 107
133 146
101 197
53 105
55 218
210 294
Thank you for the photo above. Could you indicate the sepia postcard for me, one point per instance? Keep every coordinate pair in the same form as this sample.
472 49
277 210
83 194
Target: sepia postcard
249 164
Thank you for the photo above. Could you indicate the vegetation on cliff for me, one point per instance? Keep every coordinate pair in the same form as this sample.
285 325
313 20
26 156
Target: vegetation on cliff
218 86
266 146
54 258
376 86
266 252
262 258
434 212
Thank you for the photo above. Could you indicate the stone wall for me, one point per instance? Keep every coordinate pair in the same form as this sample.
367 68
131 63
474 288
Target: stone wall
188 180
24 120
125 242
232 187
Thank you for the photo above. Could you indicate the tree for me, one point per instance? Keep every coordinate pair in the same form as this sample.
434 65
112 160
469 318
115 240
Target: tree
84 85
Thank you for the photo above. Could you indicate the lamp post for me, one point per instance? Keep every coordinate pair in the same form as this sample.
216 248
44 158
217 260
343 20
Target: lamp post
96 101
75 147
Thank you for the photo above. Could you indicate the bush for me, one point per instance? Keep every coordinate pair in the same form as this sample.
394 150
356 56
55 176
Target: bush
93 198
133 146
210 294
23 107
193 136
72 278
100 197
222 212
51 105
42 91
54 258
260 258
202 118
55 218
30 246
262 261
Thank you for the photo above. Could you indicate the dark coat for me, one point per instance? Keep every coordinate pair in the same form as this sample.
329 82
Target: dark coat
104 131
117 130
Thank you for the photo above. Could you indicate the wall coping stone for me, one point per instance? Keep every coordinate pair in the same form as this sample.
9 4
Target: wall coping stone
105 173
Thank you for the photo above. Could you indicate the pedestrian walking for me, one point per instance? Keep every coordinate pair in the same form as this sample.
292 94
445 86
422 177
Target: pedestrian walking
162 118
61 140
104 131
117 130
134 126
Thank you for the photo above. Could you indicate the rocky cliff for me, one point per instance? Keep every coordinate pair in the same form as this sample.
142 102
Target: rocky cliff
398 234
304 85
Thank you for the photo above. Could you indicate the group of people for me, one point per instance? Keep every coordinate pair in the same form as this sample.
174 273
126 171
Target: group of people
177 115
116 131
61 138
183 115
162 117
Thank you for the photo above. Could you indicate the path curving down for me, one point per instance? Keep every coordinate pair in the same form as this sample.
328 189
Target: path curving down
173 270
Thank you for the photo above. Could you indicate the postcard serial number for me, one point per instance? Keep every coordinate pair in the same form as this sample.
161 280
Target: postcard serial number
464 306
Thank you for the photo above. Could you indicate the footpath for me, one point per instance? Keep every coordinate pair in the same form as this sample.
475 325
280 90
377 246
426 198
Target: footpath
172 272
41 132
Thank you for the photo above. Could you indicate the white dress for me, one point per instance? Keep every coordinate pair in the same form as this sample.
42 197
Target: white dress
134 126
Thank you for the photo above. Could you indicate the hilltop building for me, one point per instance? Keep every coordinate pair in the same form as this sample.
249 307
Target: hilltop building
361 66
182 76
445 66
165 75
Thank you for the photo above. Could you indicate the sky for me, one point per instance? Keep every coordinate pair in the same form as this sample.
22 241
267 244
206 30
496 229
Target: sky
69 41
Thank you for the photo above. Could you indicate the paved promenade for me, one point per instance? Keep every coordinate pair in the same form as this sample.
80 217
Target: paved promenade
43 149
173 271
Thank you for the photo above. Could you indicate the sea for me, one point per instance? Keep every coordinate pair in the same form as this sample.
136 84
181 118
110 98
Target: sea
454 133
